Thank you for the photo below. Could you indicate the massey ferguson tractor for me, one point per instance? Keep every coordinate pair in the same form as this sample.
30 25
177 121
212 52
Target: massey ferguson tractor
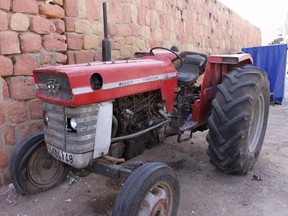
99 113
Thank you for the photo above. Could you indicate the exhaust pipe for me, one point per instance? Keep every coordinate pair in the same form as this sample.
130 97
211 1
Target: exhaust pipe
106 45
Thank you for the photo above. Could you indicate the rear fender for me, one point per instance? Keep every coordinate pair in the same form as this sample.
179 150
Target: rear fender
217 67
234 59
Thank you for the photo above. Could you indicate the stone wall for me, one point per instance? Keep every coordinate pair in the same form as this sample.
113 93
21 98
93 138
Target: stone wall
36 33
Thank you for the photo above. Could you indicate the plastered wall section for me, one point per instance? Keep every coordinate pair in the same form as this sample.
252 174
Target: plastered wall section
37 33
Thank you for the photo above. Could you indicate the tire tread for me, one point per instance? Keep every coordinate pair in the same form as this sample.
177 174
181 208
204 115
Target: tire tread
230 118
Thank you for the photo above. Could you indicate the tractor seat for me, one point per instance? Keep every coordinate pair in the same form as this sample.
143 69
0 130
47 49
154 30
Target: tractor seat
191 67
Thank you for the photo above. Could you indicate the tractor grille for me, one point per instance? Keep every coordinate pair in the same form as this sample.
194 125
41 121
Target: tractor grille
58 133
58 81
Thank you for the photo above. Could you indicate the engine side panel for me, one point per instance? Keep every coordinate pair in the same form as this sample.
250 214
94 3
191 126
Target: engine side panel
103 129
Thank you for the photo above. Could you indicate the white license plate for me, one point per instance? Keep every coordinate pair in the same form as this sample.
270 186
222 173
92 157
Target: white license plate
60 155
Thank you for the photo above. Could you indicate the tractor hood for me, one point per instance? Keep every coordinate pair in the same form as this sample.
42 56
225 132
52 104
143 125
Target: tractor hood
84 84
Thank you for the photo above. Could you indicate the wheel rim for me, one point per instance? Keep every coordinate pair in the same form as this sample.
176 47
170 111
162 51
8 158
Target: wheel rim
158 201
43 170
256 124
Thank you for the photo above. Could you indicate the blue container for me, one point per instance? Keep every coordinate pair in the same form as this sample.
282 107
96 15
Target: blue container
273 60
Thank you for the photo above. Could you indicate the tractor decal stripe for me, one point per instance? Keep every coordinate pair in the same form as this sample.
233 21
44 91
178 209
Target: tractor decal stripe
138 81
85 90
82 90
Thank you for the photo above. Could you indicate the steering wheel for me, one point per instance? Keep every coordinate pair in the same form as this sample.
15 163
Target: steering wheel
173 60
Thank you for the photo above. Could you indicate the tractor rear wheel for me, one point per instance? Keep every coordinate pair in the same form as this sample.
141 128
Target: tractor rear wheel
238 121
33 169
152 189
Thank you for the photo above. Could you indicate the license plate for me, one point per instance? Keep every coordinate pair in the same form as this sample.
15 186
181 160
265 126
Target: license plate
60 155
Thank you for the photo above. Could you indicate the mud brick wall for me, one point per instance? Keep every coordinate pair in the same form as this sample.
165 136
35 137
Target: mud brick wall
36 33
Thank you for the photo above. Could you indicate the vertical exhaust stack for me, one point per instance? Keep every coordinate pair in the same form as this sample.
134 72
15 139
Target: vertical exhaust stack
106 45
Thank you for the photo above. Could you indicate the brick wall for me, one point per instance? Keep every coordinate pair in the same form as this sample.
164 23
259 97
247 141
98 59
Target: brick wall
36 33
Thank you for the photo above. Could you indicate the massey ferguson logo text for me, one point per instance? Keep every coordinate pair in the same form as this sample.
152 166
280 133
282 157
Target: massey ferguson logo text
137 81
125 83
151 78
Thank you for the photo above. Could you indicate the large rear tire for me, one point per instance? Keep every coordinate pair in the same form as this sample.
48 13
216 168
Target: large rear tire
238 121
152 189
33 169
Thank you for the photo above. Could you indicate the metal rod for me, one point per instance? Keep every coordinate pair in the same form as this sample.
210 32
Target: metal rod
105 20
130 136
106 45
110 170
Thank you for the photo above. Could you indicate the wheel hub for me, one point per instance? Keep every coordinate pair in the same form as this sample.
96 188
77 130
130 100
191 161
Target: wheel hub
160 206
156 202
42 169
47 162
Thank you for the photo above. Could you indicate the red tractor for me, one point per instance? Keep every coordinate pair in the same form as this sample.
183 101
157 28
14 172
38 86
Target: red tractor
100 112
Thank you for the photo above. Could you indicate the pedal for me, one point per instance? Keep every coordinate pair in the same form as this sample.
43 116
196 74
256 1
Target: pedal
188 125
179 139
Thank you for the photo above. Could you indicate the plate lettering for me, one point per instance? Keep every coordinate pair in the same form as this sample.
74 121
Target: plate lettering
61 155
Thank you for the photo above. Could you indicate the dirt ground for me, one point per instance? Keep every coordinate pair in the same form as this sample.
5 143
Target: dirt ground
205 190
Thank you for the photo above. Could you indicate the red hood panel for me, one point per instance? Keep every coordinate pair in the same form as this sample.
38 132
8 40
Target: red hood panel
120 78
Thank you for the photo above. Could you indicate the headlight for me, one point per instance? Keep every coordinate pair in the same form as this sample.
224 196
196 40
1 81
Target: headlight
73 123
45 117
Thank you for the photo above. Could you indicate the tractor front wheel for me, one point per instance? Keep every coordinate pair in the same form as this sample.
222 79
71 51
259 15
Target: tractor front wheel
33 169
238 121
152 189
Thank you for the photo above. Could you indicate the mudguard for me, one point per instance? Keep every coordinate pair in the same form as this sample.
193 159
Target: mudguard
217 67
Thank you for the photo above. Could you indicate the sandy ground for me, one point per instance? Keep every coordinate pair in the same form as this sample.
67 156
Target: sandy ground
204 189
